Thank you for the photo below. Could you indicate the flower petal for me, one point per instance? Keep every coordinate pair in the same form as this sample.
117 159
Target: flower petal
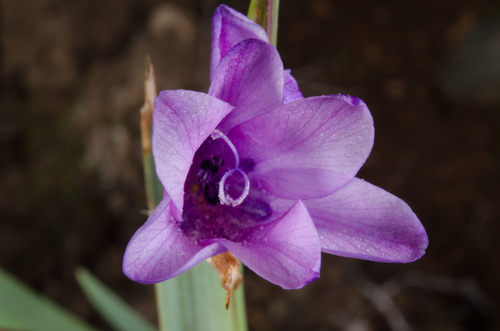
230 27
159 250
308 148
249 77
363 221
286 252
182 120
291 91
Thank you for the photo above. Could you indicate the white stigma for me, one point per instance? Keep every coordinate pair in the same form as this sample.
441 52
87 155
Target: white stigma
224 198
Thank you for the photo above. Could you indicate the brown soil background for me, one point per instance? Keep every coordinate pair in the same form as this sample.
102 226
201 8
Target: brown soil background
71 185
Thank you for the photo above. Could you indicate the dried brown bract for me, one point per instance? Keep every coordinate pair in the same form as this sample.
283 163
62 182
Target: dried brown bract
227 265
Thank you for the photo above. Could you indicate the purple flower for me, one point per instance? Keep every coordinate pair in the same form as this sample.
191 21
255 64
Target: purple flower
254 168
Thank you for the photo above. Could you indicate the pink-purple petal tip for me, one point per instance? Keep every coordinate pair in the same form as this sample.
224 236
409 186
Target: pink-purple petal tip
363 221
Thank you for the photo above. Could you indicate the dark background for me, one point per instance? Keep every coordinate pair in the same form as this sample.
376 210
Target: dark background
71 183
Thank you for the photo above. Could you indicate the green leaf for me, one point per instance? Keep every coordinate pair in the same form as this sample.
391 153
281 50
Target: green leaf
23 309
195 301
265 13
272 22
154 188
257 12
120 315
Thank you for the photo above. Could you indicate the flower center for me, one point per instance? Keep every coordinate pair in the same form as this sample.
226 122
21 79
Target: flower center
219 201
224 197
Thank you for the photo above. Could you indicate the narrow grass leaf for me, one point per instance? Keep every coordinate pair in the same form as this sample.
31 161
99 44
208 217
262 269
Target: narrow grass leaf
118 313
23 309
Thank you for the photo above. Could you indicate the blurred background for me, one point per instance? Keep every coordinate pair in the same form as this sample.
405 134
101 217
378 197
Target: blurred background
71 182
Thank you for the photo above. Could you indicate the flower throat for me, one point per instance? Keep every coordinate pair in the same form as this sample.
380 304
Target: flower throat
219 201
213 184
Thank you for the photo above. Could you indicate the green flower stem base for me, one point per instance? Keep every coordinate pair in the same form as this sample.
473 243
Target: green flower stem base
195 300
